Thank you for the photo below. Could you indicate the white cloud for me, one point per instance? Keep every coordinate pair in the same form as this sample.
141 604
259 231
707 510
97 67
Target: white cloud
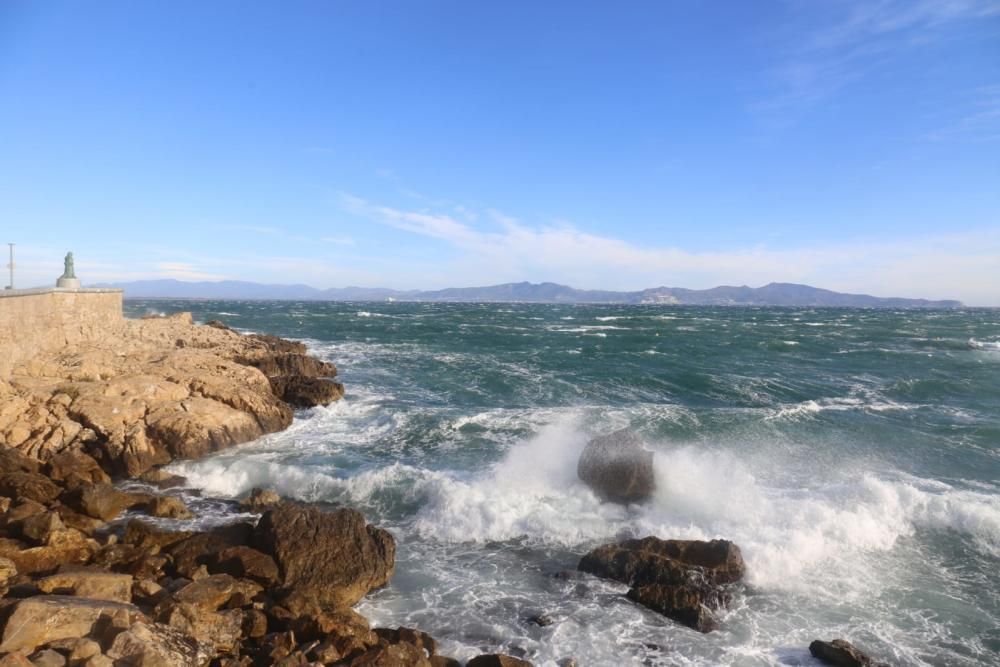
962 265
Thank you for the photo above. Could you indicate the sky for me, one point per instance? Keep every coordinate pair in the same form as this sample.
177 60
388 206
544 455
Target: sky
422 144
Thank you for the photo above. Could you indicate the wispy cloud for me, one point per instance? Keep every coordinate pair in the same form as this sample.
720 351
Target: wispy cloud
965 265
857 38
979 119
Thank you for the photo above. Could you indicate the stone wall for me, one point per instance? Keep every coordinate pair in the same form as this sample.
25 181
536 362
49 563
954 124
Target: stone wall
46 320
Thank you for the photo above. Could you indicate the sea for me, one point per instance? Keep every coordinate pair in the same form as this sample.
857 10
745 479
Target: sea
853 455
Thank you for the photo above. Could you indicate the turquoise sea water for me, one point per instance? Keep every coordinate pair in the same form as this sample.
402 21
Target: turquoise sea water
854 455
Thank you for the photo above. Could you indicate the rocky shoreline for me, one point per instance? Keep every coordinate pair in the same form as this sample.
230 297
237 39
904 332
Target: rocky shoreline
81 585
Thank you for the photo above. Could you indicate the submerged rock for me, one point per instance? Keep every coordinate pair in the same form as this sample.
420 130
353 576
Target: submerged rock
618 468
841 653
682 579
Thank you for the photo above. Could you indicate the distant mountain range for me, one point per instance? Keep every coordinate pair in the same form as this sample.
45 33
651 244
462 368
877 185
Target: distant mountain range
774 294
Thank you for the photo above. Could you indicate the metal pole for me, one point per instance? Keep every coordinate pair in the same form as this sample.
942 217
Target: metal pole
11 265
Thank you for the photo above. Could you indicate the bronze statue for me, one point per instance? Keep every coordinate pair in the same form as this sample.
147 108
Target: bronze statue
68 266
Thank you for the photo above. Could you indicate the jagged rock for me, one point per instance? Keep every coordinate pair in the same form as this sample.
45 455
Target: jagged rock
40 620
392 654
74 468
169 507
421 640
39 527
63 546
210 593
8 573
681 579
101 501
346 630
82 650
147 536
247 562
325 558
618 468
202 548
260 499
305 392
11 460
220 630
88 583
28 486
497 660
162 479
444 661
842 653
156 645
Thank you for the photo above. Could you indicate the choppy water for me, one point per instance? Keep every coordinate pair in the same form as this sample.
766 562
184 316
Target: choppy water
854 455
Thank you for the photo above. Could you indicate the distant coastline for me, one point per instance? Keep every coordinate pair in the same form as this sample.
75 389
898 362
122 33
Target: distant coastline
773 294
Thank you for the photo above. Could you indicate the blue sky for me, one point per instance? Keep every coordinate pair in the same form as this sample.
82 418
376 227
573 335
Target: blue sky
854 146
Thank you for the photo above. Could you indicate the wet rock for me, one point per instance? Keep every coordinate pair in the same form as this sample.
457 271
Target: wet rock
421 640
146 536
43 619
682 579
618 468
162 479
842 653
260 499
305 392
497 660
169 507
101 501
444 661
92 584
325 558
541 620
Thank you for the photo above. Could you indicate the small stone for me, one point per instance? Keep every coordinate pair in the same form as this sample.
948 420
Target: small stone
541 620
84 649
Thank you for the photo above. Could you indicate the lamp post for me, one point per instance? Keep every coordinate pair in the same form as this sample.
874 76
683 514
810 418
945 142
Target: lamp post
11 266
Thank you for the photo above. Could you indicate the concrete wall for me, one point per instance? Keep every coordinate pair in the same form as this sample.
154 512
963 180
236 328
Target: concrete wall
47 320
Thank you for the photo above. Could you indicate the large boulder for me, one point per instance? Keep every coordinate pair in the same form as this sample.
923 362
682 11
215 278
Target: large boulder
329 559
43 619
28 486
618 468
682 579
101 501
92 584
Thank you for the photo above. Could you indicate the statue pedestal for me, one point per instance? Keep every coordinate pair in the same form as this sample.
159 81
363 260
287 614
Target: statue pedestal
68 283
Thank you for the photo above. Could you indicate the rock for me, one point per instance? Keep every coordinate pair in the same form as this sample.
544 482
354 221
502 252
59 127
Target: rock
443 661
346 630
83 649
248 563
681 579
28 486
203 548
421 640
39 527
209 593
101 501
63 546
11 460
220 630
541 620
8 573
497 660
85 524
162 479
47 658
169 507
618 468
148 536
392 654
43 619
155 645
92 584
325 558
74 468
260 499
841 653
305 392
